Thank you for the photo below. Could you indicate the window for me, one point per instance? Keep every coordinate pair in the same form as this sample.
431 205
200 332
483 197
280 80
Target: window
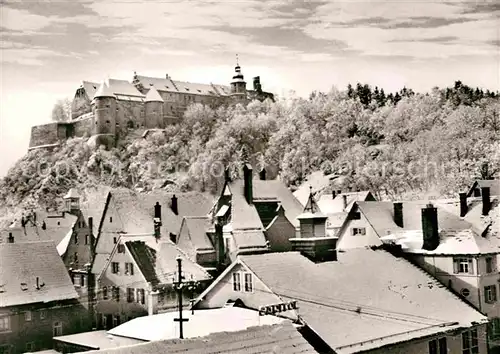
129 268
79 224
490 294
477 192
356 215
173 238
115 240
140 296
490 265
43 314
4 324
227 243
57 329
463 266
438 346
104 321
110 219
5 349
105 293
116 293
470 343
76 238
248 283
236 282
76 279
27 316
115 267
494 328
358 231
130 295
121 248
86 239
30 346
83 280
116 320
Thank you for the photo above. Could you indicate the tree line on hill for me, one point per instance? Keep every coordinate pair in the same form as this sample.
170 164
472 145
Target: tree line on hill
400 145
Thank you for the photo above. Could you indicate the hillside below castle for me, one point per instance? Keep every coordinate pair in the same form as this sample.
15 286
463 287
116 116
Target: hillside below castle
106 112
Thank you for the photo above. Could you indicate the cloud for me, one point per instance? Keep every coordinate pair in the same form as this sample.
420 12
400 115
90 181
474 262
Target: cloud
22 20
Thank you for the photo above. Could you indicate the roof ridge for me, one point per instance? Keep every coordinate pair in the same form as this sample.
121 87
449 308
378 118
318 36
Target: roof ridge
189 258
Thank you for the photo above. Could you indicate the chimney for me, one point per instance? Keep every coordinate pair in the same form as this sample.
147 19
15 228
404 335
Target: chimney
463 204
158 211
333 194
248 188
430 228
219 244
344 201
91 234
262 174
398 213
174 205
227 175
485 193
10 239
256 84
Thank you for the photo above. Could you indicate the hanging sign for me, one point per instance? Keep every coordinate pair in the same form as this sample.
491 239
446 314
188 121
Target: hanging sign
277 308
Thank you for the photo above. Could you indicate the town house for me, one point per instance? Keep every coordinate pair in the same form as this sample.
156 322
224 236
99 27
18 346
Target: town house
252 215
138 279
356 300
456 241
37 298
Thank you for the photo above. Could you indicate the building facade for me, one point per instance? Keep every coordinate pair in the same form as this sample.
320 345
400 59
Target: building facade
37 298
109 110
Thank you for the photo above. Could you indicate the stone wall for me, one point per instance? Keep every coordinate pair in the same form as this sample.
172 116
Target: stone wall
47 134
83 127
129 114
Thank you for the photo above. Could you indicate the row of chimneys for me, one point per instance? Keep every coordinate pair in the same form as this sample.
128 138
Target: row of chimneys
10 239
485 195
430 228
173 206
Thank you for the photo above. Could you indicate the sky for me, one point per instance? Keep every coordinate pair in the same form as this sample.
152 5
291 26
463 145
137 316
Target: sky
49 46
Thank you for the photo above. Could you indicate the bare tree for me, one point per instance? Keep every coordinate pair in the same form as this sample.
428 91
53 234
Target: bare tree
62 110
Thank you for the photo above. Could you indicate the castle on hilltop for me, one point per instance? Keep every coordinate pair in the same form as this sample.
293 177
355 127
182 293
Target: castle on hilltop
107 111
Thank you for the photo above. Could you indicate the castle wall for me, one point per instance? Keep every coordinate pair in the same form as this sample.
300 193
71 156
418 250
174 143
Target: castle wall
46 134
129 114
83 127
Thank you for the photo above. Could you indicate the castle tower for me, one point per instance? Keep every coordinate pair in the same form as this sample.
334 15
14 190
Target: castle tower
238 84
153 105
104 107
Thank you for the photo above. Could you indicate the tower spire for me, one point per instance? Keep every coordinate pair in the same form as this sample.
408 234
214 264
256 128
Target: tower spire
237 63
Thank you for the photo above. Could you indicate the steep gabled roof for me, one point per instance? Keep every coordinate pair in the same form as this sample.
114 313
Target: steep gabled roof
493 184
336 299
457 235
278 338
22 264
196 227
156 260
